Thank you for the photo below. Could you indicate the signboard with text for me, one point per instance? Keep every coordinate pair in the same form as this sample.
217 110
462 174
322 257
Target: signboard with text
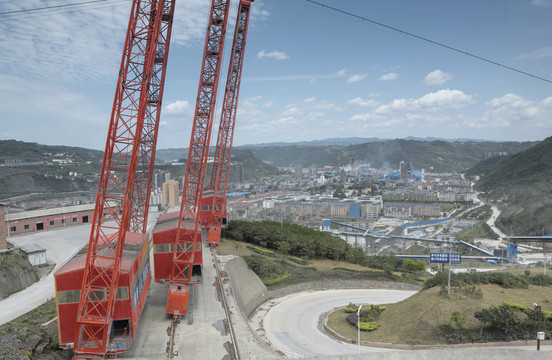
455 258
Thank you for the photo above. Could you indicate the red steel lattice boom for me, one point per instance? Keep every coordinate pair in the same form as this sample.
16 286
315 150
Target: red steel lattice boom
188 231
123 193
216 207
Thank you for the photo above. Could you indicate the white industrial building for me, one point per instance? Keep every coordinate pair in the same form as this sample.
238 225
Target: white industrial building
35 254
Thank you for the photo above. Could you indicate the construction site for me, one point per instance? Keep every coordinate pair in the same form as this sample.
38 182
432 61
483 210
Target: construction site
135 283
101 292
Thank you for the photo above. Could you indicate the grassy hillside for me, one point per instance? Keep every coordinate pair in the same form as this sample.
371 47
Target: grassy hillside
484 166
522 182
253 168
25 151
276 269
45 179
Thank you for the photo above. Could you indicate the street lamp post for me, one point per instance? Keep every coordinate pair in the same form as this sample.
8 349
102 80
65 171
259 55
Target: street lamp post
450 265
358 325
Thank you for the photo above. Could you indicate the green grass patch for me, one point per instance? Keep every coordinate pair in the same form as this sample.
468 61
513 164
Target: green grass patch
277 280
262 250
298 260
345 269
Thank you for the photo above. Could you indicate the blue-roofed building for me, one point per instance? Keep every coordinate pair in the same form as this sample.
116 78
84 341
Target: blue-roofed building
354 209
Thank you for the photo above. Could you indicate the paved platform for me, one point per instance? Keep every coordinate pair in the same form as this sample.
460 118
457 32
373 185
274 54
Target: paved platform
206 338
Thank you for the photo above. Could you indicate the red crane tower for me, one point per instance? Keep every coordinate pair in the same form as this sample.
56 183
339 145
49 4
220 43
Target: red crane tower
184 248
213 214
123 193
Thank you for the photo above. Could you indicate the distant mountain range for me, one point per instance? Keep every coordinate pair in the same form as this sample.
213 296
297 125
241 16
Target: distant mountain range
457 155
352 141
433 155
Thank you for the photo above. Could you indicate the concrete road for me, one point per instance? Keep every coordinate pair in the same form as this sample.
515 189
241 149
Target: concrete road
291 326
491 222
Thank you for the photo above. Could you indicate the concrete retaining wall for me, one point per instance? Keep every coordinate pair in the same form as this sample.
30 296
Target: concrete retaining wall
247 288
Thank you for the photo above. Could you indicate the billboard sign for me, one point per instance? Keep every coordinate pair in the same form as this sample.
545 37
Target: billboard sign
455 258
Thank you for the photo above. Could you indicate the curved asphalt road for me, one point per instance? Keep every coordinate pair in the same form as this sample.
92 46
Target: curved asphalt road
291 326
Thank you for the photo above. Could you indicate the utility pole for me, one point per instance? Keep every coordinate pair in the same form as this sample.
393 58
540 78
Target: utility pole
450 263
540 336
358 325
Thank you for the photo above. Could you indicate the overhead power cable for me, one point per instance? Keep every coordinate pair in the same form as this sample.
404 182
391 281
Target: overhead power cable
428 40
51 7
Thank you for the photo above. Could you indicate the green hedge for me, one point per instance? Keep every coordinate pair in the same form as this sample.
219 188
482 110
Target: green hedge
503 279
514 305
279 279
368 326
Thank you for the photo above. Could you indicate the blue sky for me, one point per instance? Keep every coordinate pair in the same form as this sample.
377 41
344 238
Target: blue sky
309 73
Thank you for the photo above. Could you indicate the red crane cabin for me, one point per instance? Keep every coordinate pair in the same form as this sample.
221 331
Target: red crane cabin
214 219
133 286
164 234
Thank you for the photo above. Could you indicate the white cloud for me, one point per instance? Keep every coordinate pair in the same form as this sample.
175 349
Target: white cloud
437 77
355 78
341 72
64 46
278 55
176 108
537 54
258 12
444 99
360 102
514 110
69 48
388 77
412 113
542 3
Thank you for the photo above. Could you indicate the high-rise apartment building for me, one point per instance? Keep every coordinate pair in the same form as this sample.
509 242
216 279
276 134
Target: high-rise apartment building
171 193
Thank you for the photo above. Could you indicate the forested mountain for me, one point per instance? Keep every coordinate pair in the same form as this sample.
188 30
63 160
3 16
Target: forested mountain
33 152
522 182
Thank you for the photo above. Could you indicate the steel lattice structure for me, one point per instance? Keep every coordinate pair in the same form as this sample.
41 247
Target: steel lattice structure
146 158
188 232
122 199
223 150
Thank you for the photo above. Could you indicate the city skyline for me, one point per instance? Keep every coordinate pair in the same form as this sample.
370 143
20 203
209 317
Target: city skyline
310 73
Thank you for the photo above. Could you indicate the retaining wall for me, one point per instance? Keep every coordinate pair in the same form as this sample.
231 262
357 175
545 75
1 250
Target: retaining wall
247 288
